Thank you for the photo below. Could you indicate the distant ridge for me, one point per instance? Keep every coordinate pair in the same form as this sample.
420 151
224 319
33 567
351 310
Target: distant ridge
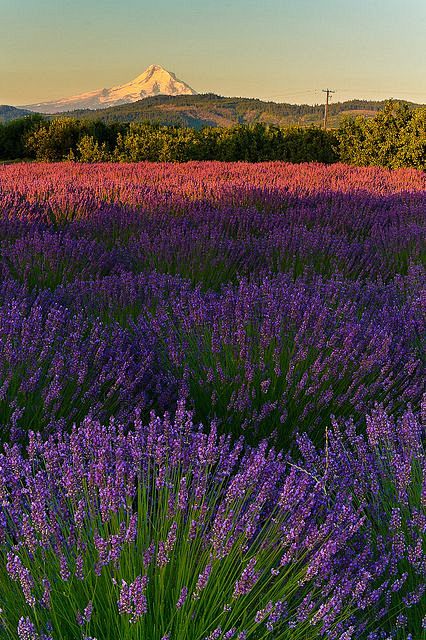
155 80
202 110
8 113
212 110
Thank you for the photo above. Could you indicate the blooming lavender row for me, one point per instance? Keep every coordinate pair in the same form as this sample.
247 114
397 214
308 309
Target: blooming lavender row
359 236
56 367
166 531
135 182
283 356
267 352
270 356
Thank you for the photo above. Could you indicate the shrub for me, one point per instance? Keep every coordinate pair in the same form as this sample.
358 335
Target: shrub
394 138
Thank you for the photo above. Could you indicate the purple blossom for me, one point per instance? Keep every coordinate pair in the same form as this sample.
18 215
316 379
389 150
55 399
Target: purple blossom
247 580
18 572
182 598
203 578
132 600
84 618
27 630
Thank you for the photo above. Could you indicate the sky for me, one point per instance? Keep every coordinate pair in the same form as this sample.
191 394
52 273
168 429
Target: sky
281 50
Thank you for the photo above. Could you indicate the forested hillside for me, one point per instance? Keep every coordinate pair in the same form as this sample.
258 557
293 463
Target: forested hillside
8 113
212 110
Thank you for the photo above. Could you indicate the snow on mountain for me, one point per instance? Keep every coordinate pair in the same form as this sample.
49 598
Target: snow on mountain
152 82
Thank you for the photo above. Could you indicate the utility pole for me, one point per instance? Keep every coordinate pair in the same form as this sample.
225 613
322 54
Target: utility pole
328 92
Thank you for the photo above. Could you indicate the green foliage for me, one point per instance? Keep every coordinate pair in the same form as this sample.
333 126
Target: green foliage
53 141
71 139
13 134
395 138
250 143
89 150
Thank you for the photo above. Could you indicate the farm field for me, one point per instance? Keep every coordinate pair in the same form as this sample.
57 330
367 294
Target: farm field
212 402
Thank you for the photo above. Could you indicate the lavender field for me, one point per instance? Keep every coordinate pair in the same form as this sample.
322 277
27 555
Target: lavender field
212 402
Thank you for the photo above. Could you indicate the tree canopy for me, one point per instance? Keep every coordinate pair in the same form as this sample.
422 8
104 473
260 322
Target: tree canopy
395 137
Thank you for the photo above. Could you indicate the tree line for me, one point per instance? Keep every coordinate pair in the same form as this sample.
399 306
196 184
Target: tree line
210 110
395 137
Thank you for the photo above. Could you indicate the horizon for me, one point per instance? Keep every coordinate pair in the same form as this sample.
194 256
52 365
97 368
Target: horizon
265 99
52 50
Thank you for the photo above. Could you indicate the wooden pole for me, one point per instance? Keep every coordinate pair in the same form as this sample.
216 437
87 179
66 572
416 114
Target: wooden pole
328 92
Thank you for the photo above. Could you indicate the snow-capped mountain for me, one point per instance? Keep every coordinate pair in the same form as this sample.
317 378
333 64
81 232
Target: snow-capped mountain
152 82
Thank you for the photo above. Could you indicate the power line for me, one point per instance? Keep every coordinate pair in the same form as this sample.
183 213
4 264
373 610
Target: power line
328 92
289 94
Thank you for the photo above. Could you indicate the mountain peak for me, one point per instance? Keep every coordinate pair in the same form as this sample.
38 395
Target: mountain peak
154 70
155 80
154 67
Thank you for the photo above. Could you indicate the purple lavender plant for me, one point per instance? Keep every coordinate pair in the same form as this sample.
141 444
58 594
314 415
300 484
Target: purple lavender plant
332 544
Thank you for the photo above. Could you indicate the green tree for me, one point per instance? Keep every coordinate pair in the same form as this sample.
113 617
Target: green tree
54 140
394 138
12 137
89 150
141 142
412 148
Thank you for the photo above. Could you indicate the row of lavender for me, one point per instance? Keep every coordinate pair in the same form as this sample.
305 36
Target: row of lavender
268 299
271 357
358 236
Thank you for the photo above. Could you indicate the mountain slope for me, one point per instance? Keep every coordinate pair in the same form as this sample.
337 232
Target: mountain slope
8 113
212 110
152 82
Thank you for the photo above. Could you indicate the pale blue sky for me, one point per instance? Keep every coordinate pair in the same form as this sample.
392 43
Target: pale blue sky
273 49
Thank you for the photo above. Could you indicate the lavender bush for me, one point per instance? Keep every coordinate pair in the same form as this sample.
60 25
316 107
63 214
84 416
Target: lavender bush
283 356
57 367
385 473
